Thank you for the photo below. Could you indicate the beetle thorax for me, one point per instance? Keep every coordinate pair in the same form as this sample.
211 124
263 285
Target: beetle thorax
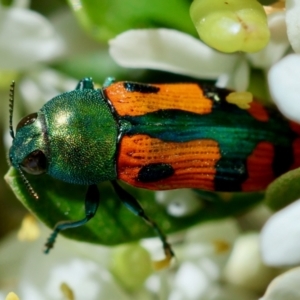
82 135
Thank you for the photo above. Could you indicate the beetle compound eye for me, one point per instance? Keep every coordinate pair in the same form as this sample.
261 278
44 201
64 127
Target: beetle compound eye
27 120
35 163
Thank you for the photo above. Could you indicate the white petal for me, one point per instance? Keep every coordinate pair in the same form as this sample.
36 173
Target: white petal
26 37
208 232
284 86
190 281
84 270
76 41
293 23
11 261
245 268
170 50
40 85
284 287
212 240
229 292
280 242
237 80
180 203
277 45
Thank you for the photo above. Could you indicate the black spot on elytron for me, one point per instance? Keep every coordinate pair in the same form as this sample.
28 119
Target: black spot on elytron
230 174
141 88
217 95
155 172
283 159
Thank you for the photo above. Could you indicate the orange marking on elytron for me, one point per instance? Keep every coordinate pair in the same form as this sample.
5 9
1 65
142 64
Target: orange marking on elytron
258 111
184 96
194 162
296 154
260 168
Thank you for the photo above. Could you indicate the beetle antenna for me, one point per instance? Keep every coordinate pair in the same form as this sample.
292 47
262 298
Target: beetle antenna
28 185
11 108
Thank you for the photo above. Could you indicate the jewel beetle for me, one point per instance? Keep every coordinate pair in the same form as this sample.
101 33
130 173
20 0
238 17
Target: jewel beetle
152 136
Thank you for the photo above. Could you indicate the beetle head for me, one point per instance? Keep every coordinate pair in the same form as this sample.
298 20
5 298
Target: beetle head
27 152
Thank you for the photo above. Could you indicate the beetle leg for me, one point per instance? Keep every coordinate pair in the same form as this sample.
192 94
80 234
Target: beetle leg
85 84
108 81
132 204
91 204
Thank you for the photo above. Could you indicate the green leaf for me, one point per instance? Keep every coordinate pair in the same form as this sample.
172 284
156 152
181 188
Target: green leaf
104 19
113 223
6 2
284 190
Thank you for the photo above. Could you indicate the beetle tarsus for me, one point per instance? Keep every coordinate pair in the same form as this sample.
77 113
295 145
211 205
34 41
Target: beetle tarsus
51 240
85 84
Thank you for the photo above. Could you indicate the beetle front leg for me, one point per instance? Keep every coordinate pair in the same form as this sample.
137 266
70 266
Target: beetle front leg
92 198
132 204
85 84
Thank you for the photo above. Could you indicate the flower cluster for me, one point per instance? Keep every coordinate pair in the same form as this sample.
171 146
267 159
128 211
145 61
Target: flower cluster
221 259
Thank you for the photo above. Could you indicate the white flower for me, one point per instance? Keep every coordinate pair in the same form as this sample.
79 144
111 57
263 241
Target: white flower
293 23
283 76
26 38
245 267
277 46
85 270
284 86
27 41
280 243
284 287
32 275
177 52
170 50
201 260
179 203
